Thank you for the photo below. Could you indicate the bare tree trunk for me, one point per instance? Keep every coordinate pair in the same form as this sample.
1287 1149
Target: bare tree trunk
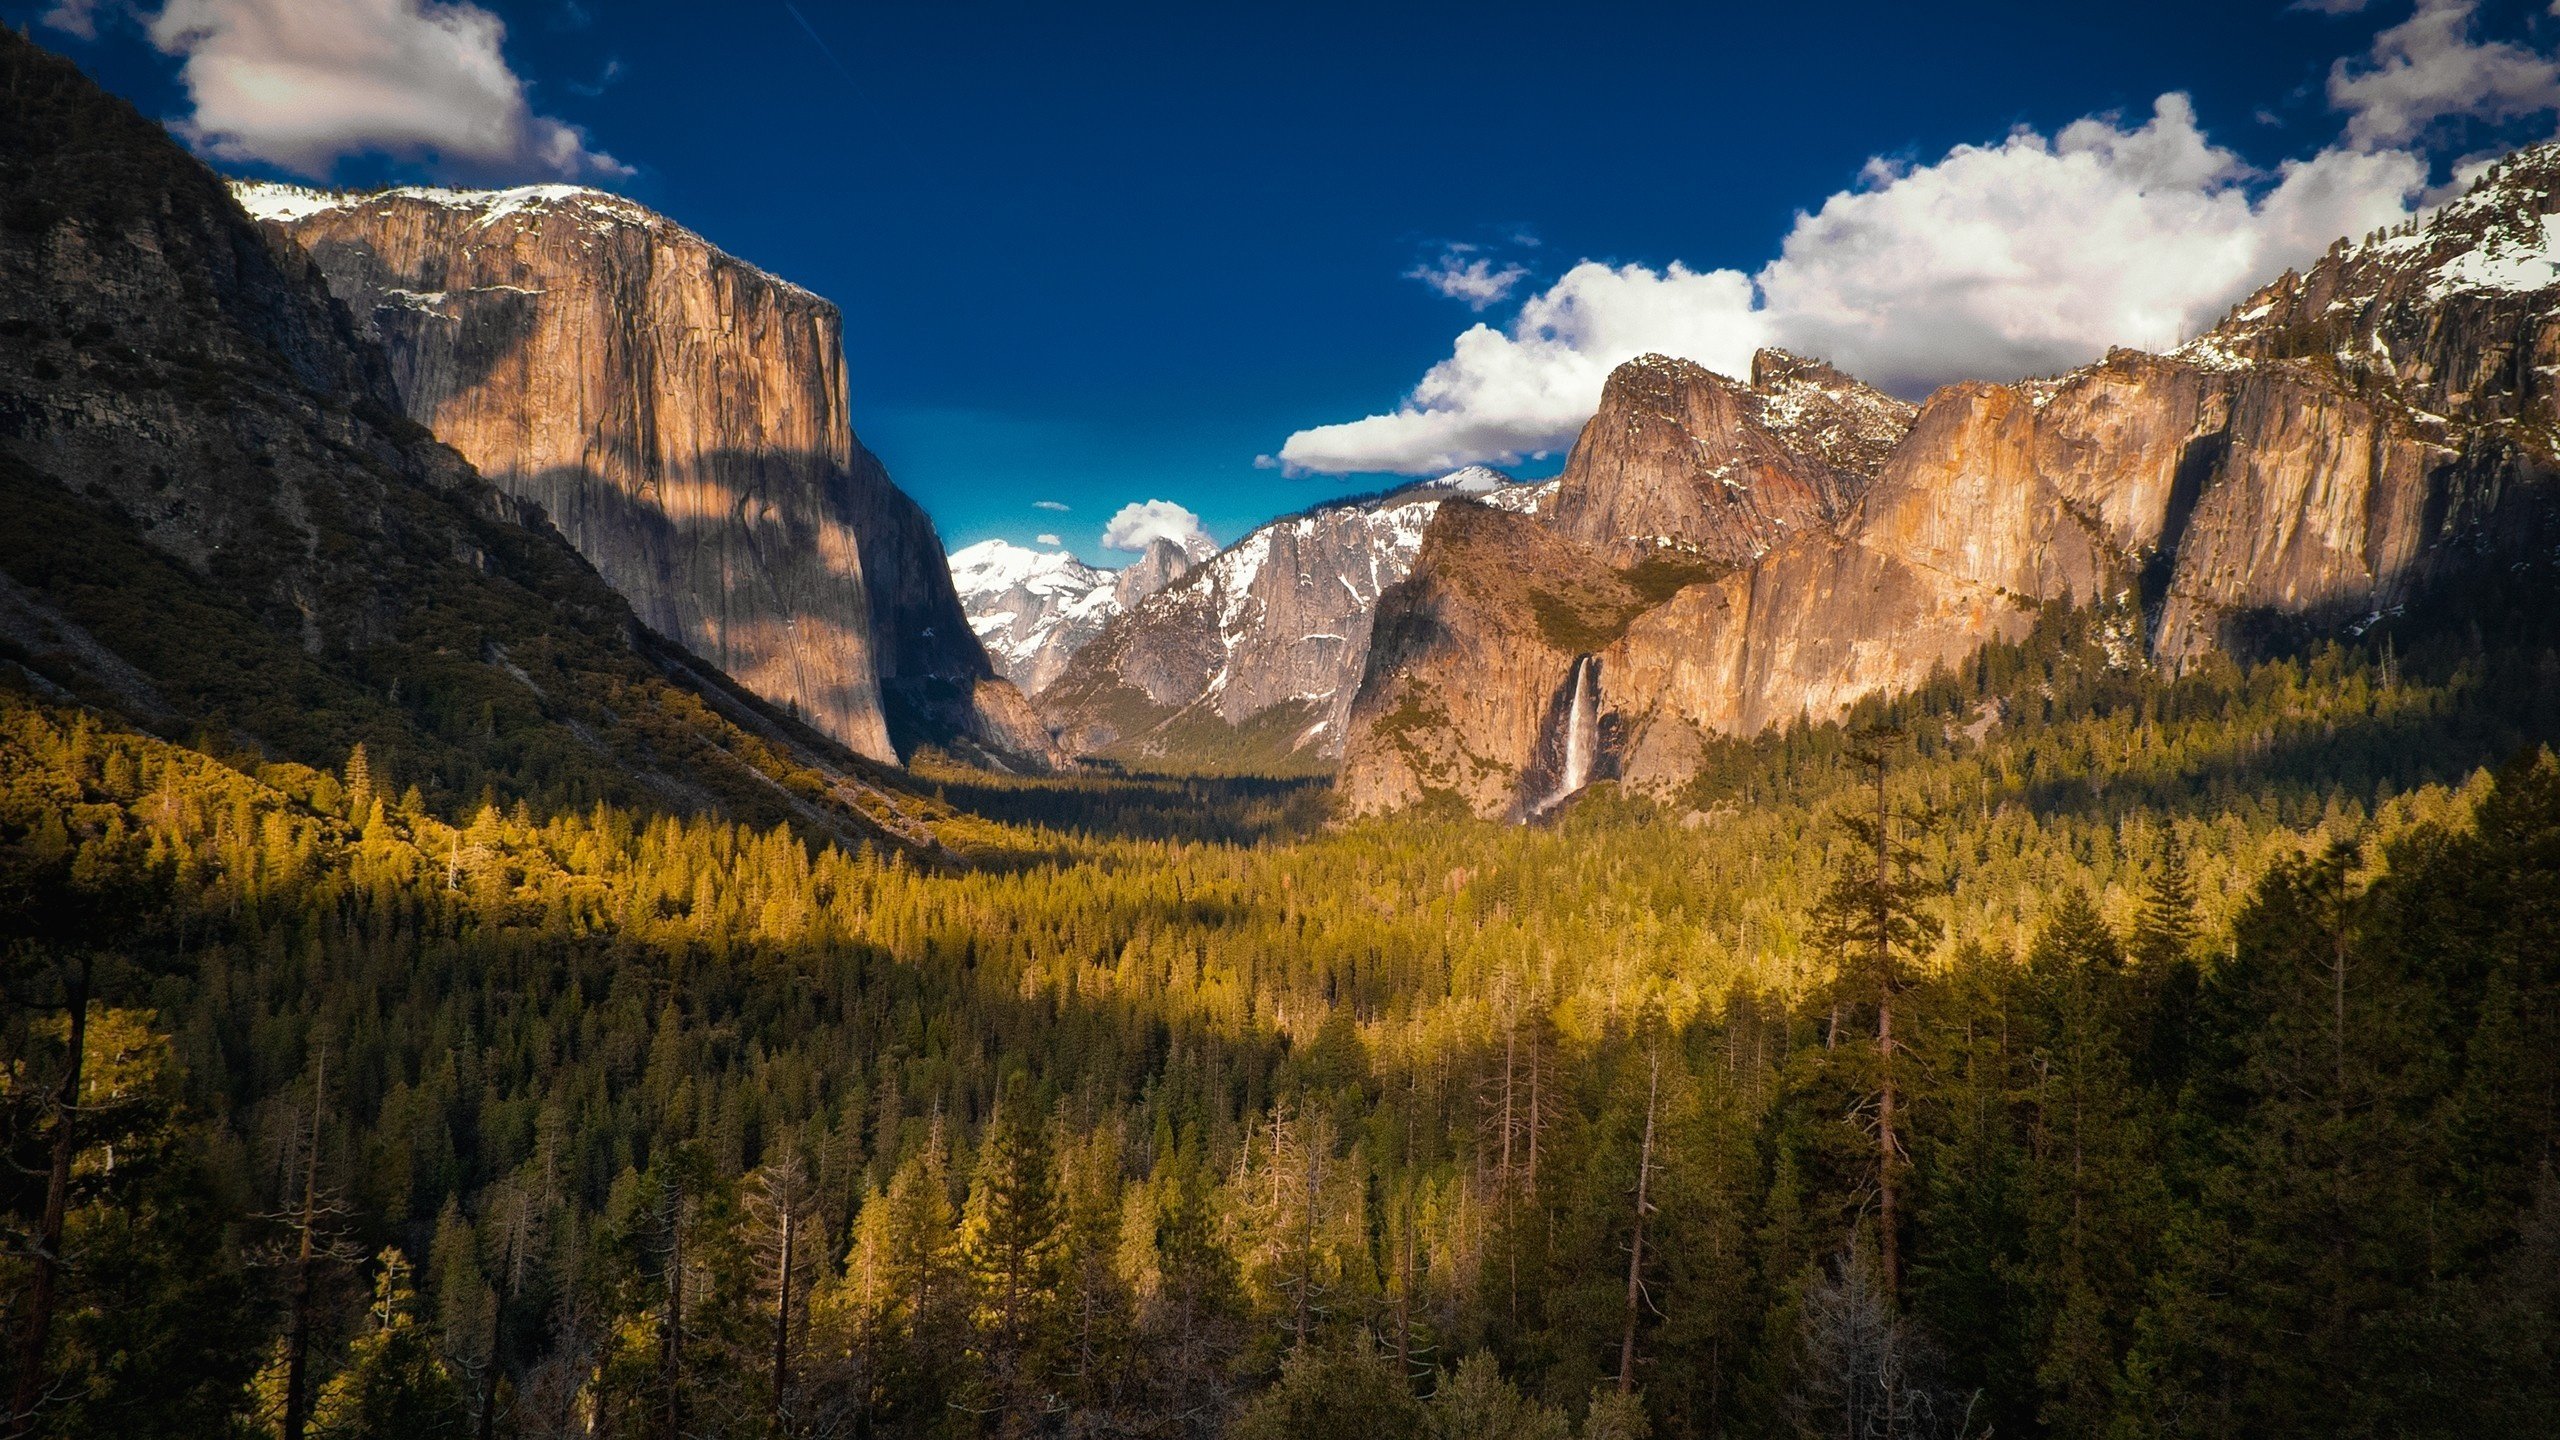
43 1297
671 1348
489 1381
782 1322
1887 1146
297 1347
1635 1251
1307 1248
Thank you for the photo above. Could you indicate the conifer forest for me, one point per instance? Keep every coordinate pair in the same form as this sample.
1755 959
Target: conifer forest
2176 1058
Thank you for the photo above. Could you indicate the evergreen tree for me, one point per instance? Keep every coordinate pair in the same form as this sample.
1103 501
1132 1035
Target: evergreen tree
395 1385
1011 1239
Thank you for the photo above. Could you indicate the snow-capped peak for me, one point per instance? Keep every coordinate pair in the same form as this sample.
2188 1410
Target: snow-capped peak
1473 480
992 567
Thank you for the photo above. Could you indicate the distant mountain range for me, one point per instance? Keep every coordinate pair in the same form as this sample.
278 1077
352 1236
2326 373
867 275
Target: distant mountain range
1034 609
1724 555
1245 660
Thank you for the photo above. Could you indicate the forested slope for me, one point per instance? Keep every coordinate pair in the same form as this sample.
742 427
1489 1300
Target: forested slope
1137 1117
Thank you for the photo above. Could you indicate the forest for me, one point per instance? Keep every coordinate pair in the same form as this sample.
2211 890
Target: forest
2064 1049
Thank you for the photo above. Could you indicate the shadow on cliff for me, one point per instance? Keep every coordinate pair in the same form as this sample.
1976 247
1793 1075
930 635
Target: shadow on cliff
743 537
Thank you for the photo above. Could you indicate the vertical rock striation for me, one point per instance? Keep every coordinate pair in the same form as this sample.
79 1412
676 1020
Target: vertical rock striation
681 416
1681 461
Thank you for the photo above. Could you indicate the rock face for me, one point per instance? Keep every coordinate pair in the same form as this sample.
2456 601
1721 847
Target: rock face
682 417
1252 658
1679 460
2317 459
215 519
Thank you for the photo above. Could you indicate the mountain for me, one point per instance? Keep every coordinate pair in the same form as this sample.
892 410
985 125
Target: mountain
2346 439
1680 461
682 417
1034 609
219 525
1252 658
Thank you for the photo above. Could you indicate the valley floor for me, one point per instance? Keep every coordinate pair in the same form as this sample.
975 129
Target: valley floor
2189 1070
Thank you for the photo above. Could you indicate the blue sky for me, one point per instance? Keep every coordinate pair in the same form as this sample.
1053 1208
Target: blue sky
1105 254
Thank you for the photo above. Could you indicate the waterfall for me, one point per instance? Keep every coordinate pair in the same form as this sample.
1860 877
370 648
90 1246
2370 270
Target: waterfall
1581 734
1582 726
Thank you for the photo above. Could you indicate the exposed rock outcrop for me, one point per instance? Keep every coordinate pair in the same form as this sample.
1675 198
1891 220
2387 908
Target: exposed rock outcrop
1681 460
682 416
2333 447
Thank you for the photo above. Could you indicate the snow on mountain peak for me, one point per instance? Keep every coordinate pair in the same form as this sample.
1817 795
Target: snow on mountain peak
1473 480
992 567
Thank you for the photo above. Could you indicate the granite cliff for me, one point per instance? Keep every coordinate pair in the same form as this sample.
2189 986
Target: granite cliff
216 523
682 417
2347 437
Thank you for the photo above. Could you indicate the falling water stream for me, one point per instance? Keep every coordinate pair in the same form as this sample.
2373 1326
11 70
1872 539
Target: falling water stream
1581 734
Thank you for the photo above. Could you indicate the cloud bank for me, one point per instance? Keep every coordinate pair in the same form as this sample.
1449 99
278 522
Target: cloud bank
303 86
2023 257
1142 522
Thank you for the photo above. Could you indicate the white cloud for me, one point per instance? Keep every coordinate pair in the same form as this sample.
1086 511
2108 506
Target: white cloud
1995 261
2034 255
1142 521
72 17
303 86
1462 274
1048 539
2429 68
1048 505
1503 395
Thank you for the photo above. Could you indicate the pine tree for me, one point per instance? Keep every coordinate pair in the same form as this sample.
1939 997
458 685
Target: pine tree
1871 917
395 1386
360 794
2164 931
1011 1239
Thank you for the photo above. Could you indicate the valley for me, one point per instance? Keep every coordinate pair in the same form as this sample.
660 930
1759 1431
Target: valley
537 900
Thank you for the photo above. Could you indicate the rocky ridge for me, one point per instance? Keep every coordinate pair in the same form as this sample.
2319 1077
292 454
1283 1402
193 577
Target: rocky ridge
1253 657
1034 609
2347 436
1681 461
682 416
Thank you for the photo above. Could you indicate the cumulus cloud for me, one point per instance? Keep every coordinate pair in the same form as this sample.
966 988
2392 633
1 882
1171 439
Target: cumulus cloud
1463 274
1503 395
1141 522
2023 257
2034 255
303 86
1048 539
1048 505
2431 67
